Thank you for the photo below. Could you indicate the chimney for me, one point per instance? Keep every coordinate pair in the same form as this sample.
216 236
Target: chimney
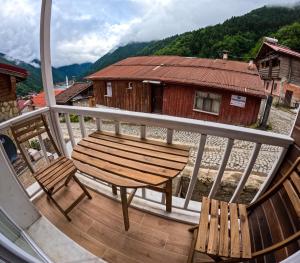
225 54
251 65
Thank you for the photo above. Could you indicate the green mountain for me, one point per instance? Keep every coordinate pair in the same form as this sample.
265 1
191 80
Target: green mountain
241 36
33 83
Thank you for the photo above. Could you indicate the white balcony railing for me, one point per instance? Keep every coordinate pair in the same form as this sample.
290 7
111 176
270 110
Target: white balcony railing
232 133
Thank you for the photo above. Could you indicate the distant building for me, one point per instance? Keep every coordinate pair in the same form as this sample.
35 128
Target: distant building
39 100
279 67
9 77
213 90
79 94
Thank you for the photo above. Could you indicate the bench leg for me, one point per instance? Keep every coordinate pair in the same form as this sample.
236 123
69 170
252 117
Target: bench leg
168 190
123 192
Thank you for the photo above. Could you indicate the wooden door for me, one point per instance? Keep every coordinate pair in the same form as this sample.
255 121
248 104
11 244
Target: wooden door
288 97
156 98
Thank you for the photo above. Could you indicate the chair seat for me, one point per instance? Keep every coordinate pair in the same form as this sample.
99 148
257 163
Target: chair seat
55 172
223 230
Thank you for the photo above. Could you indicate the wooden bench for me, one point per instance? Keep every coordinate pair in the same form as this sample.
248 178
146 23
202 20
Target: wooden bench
231 232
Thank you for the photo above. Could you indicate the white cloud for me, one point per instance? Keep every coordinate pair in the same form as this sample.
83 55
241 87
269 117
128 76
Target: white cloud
85 30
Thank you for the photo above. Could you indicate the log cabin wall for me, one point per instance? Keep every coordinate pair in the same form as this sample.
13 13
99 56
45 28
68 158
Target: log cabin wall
179 101
8 103
276 219
135 99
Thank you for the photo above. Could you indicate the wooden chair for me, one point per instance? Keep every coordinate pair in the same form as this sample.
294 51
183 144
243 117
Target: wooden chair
56 174
228 232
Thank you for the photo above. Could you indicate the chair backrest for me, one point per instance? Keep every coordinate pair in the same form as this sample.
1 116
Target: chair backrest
26 130
275 217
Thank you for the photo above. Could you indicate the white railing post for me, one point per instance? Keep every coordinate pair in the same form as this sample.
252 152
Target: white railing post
69 127
43 148
59 133
196 170
246 173
98 124
117 127
143 131
170 136
272 173
218 179
82 126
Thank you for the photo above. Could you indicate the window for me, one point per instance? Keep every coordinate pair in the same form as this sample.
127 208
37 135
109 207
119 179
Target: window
207 102
275 87
267 85
130 85
108 89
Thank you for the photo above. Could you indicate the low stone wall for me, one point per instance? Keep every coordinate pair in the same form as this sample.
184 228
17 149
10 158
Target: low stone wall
8 110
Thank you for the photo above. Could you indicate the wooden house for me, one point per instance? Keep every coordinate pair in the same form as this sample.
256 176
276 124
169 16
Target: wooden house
279 67
214 90
79 94
9 77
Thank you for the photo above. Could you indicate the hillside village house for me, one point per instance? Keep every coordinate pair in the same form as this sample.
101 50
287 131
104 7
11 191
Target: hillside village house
279 67
9 76
214 90
78 94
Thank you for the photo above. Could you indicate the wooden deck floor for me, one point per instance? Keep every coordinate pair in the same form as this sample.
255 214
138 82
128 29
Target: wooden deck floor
97 225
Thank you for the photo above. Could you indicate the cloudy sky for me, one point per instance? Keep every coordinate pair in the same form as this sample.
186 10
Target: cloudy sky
84 30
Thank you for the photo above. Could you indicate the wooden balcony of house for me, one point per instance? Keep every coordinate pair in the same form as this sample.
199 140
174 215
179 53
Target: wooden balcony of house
266 74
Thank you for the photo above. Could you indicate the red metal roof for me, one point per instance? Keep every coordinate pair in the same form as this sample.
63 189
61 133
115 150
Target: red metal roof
283 49
13 70
218 73
40 101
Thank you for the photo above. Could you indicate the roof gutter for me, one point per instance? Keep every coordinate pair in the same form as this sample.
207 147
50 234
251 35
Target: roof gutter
152 82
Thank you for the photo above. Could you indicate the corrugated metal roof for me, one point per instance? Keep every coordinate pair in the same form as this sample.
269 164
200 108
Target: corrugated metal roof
40 101
283 49
72 91
218 73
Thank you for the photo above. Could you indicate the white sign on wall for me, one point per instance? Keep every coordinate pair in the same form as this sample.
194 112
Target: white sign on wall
238 101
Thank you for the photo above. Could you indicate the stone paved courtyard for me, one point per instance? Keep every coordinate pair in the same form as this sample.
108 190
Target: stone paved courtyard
281 122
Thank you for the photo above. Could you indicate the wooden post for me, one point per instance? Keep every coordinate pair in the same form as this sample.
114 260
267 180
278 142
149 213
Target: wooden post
264 121
169 196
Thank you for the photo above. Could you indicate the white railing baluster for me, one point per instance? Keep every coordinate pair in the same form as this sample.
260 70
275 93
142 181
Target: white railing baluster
143 131
69 127
59 134
170 136
144 193
196 170
117 127
82 126
221 170
27 157
42 144
271 174
98 124
246 173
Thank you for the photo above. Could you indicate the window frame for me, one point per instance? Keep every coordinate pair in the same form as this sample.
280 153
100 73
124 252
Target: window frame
108 86
204 111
